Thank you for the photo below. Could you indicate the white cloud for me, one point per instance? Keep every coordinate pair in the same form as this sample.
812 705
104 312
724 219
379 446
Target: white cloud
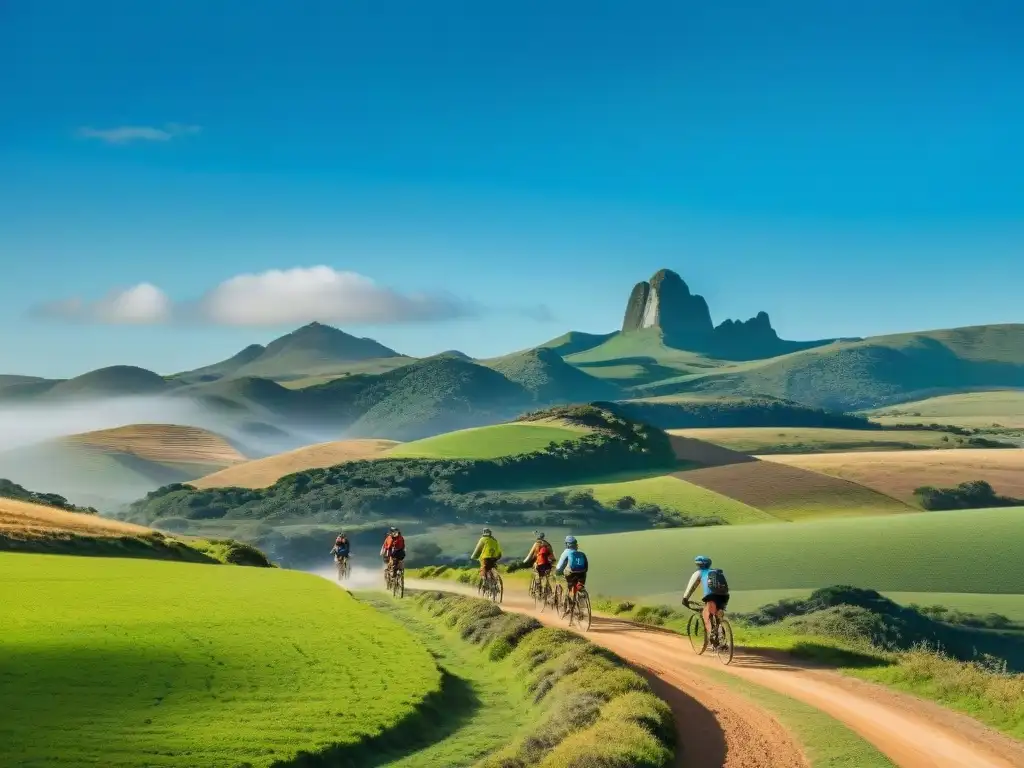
143 304
304 294
127 133
273 298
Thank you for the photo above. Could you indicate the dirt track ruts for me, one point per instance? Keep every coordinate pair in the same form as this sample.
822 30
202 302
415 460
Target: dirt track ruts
719 727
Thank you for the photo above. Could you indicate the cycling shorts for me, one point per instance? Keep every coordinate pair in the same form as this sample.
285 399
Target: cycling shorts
720 601
544 570
572 579
488 563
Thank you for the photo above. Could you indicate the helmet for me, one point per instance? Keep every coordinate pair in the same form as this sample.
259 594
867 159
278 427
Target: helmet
702 561
540 535
570 541
392 529
396 531
487 531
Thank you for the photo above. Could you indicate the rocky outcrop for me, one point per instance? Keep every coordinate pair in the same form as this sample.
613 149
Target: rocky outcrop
666 303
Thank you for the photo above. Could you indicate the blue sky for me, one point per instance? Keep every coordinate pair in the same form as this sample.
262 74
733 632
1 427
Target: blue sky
502 172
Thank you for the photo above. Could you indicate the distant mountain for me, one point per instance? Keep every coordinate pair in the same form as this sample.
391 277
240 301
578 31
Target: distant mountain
224 367
576 341
424 398
543 373
875 371
665 302
115 381
311 349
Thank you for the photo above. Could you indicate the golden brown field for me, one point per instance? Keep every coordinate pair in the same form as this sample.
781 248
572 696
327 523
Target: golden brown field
163 443
898 474
23 520
261 473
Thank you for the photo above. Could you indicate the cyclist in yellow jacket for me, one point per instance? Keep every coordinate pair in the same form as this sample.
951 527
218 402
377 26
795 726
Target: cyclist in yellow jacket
488 552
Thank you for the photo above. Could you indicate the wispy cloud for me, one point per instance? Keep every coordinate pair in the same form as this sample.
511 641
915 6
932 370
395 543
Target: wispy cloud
272 298
124 134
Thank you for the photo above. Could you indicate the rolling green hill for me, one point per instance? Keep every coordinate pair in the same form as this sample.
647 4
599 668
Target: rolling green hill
545 375
902 553
172 664
489 442
115 381
980 410
874 371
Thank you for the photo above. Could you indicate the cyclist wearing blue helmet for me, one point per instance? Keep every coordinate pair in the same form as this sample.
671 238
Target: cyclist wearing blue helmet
714 587
574 563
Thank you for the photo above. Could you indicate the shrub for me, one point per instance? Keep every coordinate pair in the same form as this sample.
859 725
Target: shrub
973 494
616 721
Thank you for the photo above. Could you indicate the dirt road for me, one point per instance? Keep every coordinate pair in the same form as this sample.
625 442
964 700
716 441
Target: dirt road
719 727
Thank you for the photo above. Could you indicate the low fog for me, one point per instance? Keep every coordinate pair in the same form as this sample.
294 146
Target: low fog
27 459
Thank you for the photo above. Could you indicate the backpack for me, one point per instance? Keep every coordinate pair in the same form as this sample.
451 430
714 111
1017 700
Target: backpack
577 561
544 554
717 585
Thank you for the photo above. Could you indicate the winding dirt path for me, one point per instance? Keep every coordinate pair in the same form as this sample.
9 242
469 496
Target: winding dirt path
719 727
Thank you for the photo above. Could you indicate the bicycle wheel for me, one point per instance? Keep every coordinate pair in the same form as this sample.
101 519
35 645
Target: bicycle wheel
583 615
537 593
695 631
558 599
724 650
387 579
499 588
398 585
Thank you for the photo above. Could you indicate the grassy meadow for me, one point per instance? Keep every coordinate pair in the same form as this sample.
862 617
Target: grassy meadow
769 440
917 552
124 662
488 442
1002 408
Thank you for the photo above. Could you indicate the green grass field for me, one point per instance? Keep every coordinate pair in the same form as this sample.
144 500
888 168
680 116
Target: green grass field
768 440
747 600
669 491
130 662
487 442
918 552
969 409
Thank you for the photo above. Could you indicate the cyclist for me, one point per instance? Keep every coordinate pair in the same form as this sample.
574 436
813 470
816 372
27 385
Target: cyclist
341 548
574 564
394 550
488 552
716 592
542 556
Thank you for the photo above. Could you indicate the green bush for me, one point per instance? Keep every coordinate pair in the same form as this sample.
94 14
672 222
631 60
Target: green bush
595 711
974 494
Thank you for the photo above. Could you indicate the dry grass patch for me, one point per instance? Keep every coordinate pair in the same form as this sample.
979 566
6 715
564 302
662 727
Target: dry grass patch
262 473
791 493
898 474
163 443
22 520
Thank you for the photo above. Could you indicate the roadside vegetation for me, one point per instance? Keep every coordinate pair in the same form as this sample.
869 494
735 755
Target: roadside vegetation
591 709
971 663
11 490
165 664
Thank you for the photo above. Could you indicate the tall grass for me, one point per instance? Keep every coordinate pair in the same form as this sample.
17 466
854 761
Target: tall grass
594 710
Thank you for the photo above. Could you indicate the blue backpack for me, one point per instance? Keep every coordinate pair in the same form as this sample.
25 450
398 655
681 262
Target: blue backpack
577 561
717 585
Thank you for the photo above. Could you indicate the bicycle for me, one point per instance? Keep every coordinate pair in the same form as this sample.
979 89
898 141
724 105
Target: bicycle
541 592
721 634
576 607
397 586
491 586
344 569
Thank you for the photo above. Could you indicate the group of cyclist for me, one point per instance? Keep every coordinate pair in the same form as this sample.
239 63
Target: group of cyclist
572 563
